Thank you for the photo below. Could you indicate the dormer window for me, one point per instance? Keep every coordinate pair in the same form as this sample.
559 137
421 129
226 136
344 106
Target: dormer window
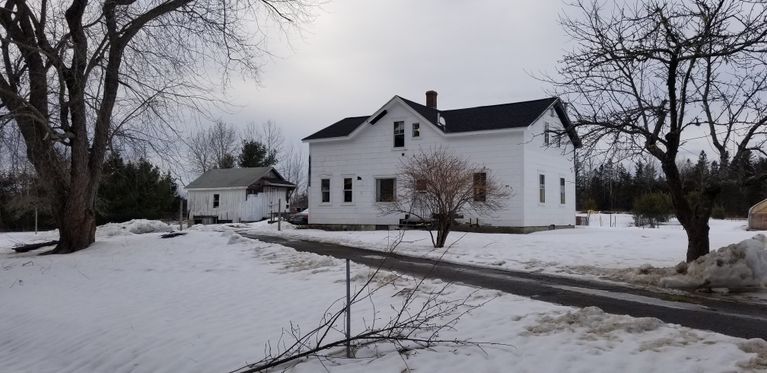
399 134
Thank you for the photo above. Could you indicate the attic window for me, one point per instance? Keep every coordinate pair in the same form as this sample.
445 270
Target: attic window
416 130
399 134
546 139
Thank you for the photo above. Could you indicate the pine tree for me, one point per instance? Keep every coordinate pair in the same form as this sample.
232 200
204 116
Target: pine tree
256 154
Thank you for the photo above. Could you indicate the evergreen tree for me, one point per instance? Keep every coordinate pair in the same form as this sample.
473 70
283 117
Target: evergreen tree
256 154
135 190
227 161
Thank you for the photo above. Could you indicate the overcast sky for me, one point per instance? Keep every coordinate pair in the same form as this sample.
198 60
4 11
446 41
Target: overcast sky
360 53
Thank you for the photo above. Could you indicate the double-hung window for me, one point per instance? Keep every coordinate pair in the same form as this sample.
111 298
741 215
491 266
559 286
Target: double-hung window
325 190
385 190
348 190
399 134
562 190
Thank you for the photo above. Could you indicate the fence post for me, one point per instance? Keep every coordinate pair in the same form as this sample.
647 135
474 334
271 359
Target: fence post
180 214
279 214
348 312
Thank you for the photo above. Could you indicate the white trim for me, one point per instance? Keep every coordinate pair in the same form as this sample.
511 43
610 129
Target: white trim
220 188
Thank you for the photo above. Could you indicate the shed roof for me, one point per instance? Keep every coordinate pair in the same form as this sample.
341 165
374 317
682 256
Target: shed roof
231 177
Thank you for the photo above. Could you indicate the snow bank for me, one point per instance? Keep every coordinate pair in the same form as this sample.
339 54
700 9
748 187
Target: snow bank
209 301
738 266
593 321
135 226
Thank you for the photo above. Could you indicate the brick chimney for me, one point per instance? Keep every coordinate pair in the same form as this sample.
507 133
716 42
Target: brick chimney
431 99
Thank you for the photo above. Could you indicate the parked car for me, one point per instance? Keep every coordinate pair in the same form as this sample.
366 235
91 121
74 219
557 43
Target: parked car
300 218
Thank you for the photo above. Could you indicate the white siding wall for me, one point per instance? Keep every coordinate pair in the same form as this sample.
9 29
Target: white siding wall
555 163
370 154
230 200
233 204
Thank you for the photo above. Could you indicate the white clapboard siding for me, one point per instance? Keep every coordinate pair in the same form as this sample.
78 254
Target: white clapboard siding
230 200
514 156
236 205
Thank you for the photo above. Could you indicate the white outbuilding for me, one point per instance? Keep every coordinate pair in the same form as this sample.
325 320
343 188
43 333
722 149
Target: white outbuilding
757 216
234 195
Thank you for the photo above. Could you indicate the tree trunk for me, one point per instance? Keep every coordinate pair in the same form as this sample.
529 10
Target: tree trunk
76 220
693 217
697 239
443 229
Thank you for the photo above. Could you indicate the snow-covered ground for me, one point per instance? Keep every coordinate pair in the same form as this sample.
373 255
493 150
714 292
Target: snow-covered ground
593 251
210 301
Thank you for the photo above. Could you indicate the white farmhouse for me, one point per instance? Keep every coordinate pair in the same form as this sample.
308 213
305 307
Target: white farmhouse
528 146
237 195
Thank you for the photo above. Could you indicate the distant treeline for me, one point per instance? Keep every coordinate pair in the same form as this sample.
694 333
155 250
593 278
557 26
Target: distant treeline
128 190
616 186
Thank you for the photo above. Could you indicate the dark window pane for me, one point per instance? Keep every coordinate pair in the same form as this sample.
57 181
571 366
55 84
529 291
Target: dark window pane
399 134
347 189
420 185
325 190
215 200
562 191
385 190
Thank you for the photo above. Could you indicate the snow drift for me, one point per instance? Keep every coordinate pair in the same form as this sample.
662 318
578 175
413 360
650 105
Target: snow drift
135 226
738 266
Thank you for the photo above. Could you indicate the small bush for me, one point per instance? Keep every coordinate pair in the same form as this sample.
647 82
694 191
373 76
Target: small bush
652 209
718 212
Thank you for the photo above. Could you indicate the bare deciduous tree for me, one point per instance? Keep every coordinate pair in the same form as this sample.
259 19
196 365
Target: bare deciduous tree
648 78
223 144
437 186
76 74
416 323
292 166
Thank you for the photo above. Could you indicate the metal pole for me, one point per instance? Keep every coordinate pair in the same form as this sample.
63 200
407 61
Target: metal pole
180 214
348 312
279 214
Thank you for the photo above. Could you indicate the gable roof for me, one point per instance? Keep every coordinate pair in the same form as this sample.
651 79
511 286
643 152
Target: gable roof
232 177
480 118
338 129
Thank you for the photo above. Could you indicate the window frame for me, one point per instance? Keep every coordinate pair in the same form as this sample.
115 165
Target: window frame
349 190
562 191
541 188
324 190
416 130
378 198
216 200
479 187
399 134
546 135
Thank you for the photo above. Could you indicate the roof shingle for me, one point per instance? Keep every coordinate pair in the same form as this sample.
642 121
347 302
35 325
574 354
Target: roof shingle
480 118
229 177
